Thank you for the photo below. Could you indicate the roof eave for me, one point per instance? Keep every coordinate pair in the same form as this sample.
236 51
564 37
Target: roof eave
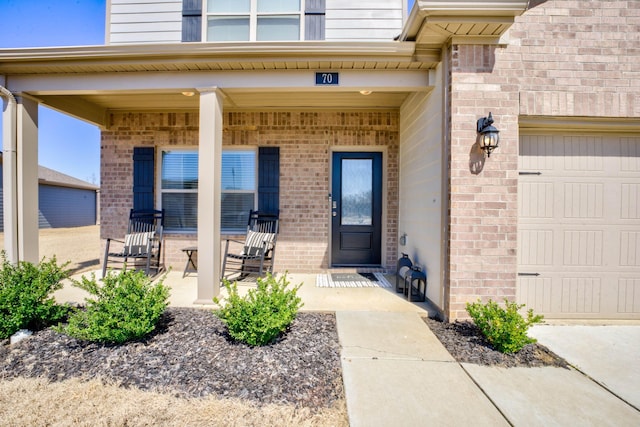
459 10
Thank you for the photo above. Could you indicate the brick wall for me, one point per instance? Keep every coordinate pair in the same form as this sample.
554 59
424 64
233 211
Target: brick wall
305 140
564 59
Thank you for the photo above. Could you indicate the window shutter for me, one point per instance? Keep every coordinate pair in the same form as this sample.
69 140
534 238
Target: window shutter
269 179
191 20
314 20
143 160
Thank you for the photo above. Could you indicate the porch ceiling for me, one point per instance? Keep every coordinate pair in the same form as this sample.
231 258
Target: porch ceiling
234 99
89 82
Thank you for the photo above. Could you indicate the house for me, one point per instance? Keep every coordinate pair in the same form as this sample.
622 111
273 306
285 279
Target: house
358 121
63 201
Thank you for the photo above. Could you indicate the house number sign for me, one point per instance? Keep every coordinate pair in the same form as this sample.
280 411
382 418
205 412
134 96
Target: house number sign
326 79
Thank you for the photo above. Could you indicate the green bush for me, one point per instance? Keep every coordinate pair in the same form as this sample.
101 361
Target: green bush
504 328
263 314
127 307
25 295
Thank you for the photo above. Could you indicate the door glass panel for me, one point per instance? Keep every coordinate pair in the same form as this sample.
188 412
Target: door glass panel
357 180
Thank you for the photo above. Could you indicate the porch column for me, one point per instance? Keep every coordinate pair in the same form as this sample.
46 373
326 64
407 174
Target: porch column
27 178
9 175
209 194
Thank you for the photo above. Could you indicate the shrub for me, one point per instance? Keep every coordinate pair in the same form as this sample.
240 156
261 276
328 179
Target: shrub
263 314
504 328
25 295
127 307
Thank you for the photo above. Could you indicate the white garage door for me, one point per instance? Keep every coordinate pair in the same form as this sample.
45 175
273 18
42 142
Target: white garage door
579 226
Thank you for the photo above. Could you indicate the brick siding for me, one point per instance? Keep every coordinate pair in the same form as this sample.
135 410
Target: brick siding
564 59
305 140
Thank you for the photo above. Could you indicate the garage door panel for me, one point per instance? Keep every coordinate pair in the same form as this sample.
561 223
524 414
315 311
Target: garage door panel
630 154
579 226
629 249
582 248
581 295
538 200
583 200
583 154
629 295
536 293
630 200
536 247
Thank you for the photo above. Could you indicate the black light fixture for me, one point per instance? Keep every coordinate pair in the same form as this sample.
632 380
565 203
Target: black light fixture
488 136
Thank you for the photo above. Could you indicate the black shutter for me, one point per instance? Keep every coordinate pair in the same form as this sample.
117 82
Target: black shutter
191 20
314 20
143 177
269 179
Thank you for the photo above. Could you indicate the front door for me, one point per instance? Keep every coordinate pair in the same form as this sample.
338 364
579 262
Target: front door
356 209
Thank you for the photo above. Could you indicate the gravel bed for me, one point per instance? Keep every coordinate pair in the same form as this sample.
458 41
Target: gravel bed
466 344
191 355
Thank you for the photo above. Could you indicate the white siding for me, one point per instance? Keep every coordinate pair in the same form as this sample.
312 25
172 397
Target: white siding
145 21
421 185
363 20
160 21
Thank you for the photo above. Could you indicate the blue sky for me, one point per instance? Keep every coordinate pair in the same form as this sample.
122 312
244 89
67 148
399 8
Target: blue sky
65 144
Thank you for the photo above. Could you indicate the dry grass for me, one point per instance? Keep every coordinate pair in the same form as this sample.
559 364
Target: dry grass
30 402
79 245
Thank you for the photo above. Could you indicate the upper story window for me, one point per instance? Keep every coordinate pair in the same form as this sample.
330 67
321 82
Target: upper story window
254 20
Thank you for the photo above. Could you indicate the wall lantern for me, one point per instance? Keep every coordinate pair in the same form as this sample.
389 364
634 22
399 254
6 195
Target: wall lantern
488 136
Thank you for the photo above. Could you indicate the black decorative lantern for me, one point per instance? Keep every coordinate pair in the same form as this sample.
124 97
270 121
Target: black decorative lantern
488 136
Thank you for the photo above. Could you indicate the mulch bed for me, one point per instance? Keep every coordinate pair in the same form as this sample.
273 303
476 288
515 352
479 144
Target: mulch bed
191 355
466 344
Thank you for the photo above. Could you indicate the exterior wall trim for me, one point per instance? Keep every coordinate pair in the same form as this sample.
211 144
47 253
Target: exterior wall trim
600 125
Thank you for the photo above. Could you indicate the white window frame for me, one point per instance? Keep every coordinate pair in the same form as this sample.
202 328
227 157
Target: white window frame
253 20
160 191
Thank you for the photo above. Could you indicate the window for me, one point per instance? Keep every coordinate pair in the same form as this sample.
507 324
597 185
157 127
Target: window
239 188
179 189
254 20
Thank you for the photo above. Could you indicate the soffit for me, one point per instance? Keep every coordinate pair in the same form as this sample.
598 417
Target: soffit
437 22
181 57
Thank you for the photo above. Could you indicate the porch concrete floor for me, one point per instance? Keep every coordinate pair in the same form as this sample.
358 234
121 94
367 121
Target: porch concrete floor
184 293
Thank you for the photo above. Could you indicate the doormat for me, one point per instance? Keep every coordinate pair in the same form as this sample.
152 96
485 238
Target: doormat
352 280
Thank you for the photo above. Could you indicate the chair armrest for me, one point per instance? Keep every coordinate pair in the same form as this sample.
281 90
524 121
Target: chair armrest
234 241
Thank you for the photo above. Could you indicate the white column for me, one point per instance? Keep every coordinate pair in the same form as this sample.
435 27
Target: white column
9 195
27 172
209 194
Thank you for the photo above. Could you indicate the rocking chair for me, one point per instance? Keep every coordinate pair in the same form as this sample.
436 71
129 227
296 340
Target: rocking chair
258 249
143 241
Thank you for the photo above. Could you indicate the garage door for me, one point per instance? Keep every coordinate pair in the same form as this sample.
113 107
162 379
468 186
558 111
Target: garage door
579 226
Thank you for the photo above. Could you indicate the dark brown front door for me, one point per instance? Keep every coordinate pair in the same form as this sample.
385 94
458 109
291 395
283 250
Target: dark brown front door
356 223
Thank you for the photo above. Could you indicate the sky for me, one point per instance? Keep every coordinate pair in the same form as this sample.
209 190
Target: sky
65 144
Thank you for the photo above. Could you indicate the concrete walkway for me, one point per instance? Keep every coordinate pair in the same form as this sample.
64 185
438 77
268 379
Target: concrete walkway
396 373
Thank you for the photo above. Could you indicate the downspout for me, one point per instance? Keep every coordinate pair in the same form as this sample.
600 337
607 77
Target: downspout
10 175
